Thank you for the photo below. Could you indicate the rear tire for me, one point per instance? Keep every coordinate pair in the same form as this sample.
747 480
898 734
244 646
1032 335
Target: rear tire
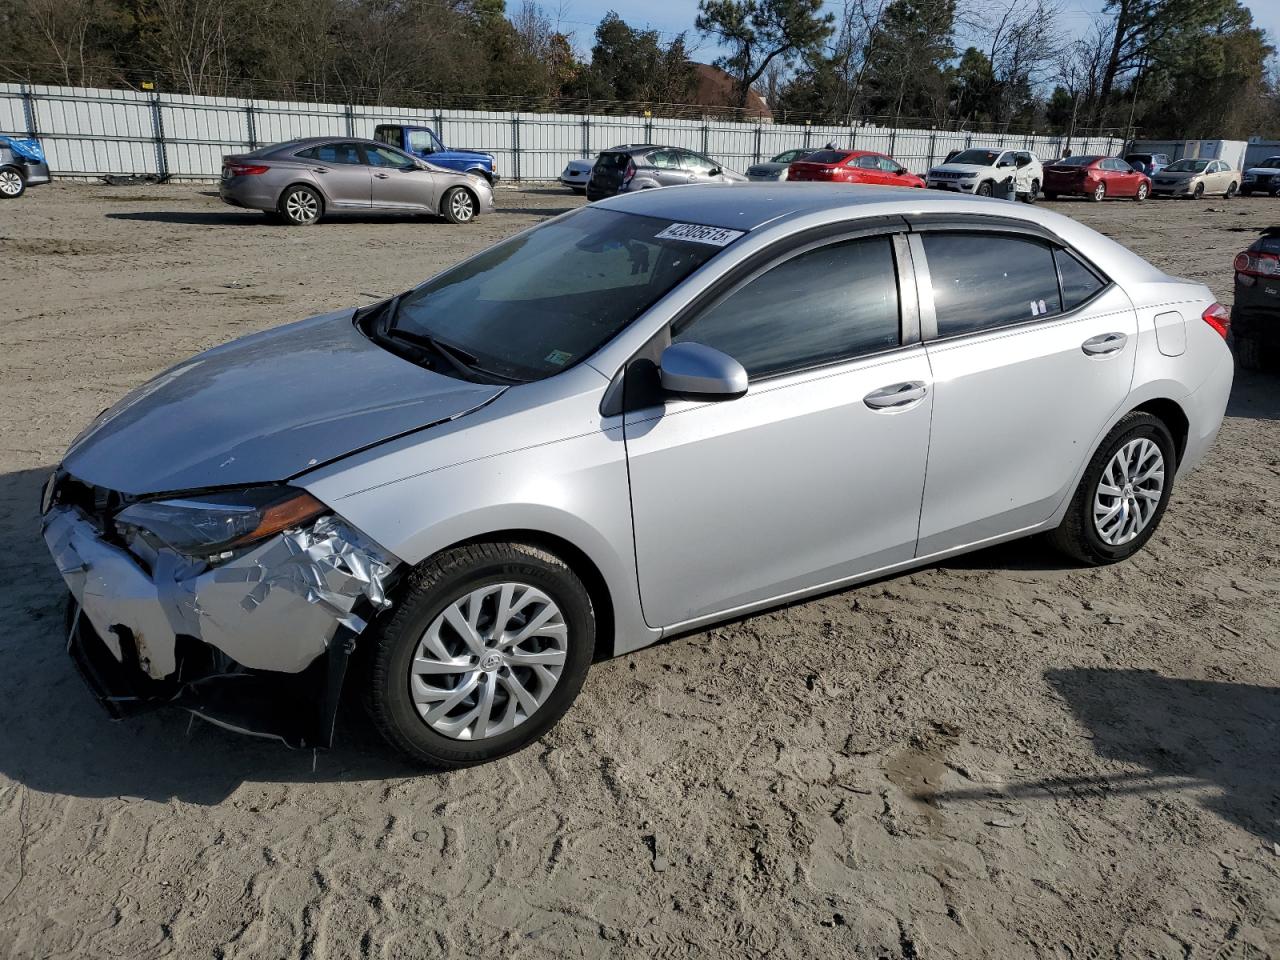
1231 191
1252 354
12 183
1033 193
301 206
397 693
1049 195
1079 536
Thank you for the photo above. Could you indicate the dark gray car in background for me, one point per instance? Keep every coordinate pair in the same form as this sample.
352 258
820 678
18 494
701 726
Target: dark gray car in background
302 181
643 166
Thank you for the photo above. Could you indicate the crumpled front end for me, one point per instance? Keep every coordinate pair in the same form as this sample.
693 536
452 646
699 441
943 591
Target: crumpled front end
231 639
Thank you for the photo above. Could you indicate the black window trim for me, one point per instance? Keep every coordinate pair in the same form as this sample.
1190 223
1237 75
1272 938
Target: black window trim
895 228
1026 231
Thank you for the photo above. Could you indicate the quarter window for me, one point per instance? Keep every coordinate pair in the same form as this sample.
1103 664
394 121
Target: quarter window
981 281
828 304
1079 283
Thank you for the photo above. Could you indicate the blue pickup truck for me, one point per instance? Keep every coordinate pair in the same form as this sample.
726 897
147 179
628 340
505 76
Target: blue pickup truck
423 142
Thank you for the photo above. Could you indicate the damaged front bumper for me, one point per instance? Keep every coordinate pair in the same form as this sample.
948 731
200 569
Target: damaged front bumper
259 642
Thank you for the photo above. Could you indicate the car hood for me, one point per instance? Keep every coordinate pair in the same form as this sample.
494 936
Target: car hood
958 168
1263 171
1177 175
265 408
769 167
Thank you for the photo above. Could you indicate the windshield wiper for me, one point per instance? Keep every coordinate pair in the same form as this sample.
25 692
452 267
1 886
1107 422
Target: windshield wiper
457 358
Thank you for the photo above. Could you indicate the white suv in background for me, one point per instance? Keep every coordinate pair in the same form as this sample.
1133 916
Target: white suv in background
979 170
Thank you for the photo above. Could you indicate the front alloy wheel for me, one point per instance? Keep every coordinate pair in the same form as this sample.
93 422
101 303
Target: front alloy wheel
1143 190
484 650
459 206
11 183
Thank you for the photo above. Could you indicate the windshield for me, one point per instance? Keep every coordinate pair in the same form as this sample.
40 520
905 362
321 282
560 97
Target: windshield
1079 161
1270 162
538 303
1187 166
981 158
789 156
1139 158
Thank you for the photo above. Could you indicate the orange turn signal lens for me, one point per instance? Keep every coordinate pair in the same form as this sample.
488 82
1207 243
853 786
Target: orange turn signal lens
293 512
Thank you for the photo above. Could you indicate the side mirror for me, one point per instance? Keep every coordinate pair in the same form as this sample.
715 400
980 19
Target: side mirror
714 172
696 370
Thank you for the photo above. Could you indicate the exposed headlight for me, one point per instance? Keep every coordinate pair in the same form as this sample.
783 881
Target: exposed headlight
217 522
968 176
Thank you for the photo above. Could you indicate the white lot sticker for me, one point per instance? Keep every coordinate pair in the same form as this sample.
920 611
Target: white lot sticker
697 233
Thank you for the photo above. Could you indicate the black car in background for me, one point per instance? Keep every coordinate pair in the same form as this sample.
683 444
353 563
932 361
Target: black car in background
1255 314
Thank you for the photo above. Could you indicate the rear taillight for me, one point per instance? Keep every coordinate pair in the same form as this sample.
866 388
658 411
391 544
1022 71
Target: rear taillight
1218 317
628 173
1256 264
247 169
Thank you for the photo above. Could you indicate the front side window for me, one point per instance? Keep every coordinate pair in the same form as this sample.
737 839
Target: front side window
982 281
664 160
696 164
386 157
539 302
890 166
829 304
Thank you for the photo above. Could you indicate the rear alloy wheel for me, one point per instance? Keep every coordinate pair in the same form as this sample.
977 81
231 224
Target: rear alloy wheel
1099 193
486 648
458 206
1143 190
1231 191
12 185
1123 493
301 206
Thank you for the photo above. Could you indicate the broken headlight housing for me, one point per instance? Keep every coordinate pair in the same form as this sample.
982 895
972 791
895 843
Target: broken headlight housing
215 523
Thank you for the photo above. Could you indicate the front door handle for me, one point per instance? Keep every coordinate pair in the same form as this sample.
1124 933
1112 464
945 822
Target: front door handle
1104 344
382 176
895 396
319 169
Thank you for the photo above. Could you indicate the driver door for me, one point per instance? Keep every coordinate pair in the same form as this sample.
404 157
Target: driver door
816 474
398 182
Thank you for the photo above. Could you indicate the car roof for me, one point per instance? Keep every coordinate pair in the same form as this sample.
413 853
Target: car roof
748 206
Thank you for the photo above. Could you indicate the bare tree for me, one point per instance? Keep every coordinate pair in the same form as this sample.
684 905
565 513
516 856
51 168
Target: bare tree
1023 48
70 30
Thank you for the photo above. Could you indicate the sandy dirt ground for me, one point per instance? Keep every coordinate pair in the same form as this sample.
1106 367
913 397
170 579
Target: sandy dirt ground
1004 756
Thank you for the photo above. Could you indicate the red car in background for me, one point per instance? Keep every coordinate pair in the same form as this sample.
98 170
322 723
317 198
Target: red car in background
853 166
1094 177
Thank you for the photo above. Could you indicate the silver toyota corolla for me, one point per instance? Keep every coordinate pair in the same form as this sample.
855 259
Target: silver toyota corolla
302 181
643 416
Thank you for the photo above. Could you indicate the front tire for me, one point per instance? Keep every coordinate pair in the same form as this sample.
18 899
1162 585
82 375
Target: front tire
984 188
458 206
485 650
1231 191
1033 193
1123 493
1198 193
300 206
1141 195
12 183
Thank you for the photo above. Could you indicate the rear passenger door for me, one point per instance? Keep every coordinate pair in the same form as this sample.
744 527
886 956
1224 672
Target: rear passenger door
1032 352
340 172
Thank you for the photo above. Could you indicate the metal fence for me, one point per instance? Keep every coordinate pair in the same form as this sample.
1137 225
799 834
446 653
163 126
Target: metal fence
92 132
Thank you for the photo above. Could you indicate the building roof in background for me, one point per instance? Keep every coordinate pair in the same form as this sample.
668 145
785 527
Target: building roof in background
715 88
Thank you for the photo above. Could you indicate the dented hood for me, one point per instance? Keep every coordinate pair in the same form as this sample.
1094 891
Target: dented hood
265 408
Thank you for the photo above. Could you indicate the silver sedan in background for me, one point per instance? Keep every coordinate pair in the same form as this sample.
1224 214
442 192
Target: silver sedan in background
776 168
302 181
646 415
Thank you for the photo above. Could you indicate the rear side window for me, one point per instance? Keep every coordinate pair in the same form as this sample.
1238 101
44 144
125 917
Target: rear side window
333 153
981 281
828 304
1079 283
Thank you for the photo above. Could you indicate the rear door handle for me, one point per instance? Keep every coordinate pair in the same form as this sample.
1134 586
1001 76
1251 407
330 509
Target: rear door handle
1104 344
896 395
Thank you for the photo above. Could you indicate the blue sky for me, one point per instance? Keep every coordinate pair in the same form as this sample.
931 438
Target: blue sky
579 17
